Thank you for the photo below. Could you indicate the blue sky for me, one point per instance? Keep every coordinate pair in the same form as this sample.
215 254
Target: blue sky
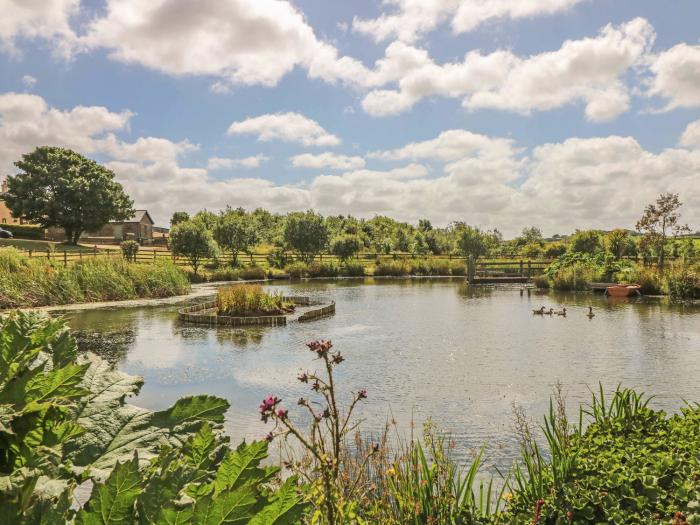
620 117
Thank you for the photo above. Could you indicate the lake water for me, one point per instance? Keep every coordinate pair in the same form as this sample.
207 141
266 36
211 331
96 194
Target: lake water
431 348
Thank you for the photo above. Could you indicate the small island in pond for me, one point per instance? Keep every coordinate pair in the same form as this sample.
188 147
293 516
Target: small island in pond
250 300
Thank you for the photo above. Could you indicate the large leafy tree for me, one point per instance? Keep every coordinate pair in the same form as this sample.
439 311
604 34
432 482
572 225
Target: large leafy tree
59 187
473 242
305 233
659 221
236 232
192 240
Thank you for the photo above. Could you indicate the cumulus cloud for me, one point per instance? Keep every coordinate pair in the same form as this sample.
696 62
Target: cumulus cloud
691 135
29 81
327 160
677 76
412 19
48 19
220 163
288 127
589 70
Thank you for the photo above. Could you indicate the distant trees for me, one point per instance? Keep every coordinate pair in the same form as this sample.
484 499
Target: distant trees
586 241
473 242
178 217
659 220
619 242
346 246
59 187
305 233
192 240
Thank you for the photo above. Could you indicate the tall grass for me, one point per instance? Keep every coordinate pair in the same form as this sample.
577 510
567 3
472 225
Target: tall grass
28 282
249 299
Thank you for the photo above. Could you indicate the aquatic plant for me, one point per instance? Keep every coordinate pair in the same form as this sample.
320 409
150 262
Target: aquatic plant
249 300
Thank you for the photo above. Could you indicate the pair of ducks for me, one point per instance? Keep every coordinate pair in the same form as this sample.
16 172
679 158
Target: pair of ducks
562 312
551 311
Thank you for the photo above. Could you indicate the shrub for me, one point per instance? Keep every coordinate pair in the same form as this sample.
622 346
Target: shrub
297 270
225 274
129 250
554 249
24 231
278 258
541 282
249 300
431 267
253 273
650 279
352 270
346 246
318 269
682 284
392 269
574 277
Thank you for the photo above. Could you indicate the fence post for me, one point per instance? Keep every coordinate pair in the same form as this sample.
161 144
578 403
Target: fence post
30 254
65 258
521 267
471 270
48 254
154 256
529 268
94 250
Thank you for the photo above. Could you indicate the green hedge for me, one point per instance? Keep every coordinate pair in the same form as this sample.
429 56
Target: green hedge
24 231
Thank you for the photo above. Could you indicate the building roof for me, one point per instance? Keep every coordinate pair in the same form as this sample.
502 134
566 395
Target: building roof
138 217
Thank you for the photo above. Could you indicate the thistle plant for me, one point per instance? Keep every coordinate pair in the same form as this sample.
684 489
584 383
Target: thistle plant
324 440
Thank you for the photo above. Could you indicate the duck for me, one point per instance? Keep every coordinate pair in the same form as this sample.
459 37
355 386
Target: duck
561 312
590 314
539 311
550 311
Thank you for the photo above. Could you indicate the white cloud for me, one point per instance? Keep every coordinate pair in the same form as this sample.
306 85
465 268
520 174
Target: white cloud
412 19
587 70
47 19
691 135
29 81
327 160
288 127
219 163
677 76
238 41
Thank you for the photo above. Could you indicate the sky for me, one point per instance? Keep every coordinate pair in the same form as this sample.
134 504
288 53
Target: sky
561 114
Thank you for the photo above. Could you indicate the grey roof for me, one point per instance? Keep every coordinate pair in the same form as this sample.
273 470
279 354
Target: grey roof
138 216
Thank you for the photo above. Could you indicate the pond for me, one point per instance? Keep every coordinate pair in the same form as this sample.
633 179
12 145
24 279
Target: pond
423 348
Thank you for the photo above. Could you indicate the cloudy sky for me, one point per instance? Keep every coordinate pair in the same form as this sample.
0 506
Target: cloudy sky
502 113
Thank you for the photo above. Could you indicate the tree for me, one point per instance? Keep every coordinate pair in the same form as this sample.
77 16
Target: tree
178 217
305 233
420 246
346 246
619 243
59 187
473 242
660 220
424 225
193 241
235 231
207 219
529 236
586 241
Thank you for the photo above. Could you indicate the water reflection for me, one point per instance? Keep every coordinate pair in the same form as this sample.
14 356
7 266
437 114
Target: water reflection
423 348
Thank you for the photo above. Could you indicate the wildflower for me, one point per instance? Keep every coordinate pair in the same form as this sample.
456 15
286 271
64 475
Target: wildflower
282 413
362 394
509 496
269 437
337 359
302 402
316 386
326 414
569 515
267 407
304 378
320 347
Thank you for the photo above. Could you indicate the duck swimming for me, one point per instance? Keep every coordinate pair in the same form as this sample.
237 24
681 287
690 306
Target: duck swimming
562 312
590 314
539 311
549 312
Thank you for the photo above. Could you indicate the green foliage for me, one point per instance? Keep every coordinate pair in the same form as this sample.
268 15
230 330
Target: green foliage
555 249
682 283
23 231
346 246
59 187
64 420
392 269
236 232
297 270
178 217
586 241
573 270
319 269
619 242
532 250
129 250
306 234
26 282
632 464
352 270
473 242
192 240
660 220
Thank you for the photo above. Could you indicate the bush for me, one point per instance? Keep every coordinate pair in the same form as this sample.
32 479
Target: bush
297 270
650 279
392 269
682 284
458 269
225 274
554 250
541 282
318 269
129 250
574 277
249 300
352 270
24 231
253 273
433 267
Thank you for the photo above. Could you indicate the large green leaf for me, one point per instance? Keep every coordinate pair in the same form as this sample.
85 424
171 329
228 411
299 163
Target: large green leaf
113 432
241 466
285 509
233 507
112 503
105 384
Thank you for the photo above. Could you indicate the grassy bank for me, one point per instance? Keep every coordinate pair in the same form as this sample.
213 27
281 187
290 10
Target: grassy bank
26 282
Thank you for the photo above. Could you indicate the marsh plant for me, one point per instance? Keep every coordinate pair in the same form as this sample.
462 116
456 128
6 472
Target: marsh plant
249 300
